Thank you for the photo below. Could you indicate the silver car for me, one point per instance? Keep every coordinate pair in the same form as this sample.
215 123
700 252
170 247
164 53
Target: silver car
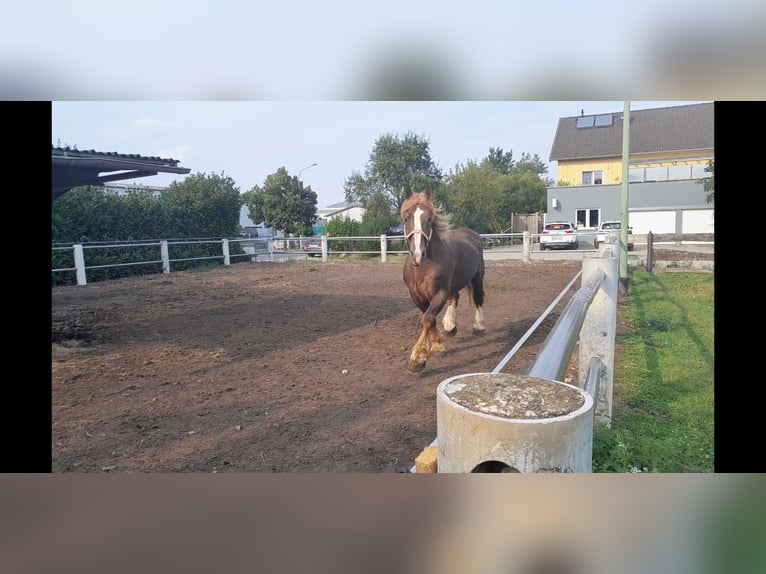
559 234
609 229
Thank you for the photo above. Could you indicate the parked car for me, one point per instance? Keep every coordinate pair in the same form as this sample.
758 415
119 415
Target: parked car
608 228
313 247
489 242
559 234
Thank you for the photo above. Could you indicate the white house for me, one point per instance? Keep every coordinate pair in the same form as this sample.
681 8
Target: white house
354 211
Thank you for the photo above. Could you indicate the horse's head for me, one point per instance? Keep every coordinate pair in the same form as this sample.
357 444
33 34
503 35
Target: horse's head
418 217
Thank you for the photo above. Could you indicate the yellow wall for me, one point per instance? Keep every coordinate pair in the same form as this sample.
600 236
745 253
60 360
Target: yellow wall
571 171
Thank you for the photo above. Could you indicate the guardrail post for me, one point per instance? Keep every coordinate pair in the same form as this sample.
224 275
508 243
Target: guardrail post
271 248
164 255
598 331
226 258
383 249
526 246
79 263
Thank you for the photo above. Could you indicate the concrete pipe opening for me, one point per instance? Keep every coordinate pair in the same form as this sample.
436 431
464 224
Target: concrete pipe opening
493 466
495 422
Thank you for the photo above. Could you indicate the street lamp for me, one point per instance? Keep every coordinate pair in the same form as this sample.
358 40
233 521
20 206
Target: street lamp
305 168
302 170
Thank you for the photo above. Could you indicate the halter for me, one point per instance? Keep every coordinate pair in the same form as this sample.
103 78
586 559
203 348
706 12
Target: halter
414 231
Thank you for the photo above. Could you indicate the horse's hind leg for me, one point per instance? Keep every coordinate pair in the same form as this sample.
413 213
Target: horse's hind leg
449 321
477 293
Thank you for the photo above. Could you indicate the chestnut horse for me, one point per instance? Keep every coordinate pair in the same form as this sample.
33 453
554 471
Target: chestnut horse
441 262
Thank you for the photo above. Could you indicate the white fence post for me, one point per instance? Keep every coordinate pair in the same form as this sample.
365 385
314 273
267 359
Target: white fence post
164 255
598 332
324 248
226 258
79 263
383 249
271 248
526 246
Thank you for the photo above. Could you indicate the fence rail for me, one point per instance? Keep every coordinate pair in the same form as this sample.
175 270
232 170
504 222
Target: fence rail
497 246
275 249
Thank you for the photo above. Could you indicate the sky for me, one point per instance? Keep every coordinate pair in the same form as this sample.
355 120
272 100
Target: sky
249 140
350 50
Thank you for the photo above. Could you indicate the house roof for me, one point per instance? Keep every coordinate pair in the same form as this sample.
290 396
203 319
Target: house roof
336 208
73 168
669 129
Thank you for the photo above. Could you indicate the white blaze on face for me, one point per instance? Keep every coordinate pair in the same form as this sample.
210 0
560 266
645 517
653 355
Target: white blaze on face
418 234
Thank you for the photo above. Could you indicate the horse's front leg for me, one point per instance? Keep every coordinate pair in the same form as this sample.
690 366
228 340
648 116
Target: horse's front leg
420 351
437 343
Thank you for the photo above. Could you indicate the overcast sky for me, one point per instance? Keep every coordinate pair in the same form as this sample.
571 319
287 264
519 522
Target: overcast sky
248 140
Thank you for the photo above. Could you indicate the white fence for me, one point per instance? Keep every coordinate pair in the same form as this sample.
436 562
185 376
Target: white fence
523 245
497 246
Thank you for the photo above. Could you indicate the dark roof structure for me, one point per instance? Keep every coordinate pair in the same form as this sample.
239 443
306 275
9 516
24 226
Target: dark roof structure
670 129
73 168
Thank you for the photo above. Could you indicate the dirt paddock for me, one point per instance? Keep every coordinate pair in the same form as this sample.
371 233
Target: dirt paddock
269 367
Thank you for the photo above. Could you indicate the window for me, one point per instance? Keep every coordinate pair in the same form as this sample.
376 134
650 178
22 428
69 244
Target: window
588 218
585 122
656 174
558 226
592 177
698 171
679 172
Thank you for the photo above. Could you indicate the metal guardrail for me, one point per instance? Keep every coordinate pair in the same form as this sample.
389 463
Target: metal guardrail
590 318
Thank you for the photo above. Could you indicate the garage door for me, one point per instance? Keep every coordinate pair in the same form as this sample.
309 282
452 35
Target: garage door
643 222
697 221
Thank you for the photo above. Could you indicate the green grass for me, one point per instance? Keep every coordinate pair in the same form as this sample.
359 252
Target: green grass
662 411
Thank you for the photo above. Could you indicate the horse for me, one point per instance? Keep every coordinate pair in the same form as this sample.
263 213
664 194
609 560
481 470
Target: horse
441 262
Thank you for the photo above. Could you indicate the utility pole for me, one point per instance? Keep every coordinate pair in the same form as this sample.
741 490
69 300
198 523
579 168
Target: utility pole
624 197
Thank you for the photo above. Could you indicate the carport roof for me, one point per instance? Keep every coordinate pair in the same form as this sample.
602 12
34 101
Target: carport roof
73 168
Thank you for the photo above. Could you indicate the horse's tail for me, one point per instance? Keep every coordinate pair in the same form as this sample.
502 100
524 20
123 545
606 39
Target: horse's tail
476 286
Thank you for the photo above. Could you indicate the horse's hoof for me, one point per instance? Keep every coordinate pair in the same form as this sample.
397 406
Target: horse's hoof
415 368
479 331
451 333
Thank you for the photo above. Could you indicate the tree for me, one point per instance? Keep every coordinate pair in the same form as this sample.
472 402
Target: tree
707 182
499 160
394 163
202 206
533 164
282 203
378 217
483 195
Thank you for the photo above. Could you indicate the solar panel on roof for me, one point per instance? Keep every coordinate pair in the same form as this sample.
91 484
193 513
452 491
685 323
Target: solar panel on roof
585 122
603 120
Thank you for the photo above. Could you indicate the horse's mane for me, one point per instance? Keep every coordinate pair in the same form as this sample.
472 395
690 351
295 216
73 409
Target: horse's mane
442 220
